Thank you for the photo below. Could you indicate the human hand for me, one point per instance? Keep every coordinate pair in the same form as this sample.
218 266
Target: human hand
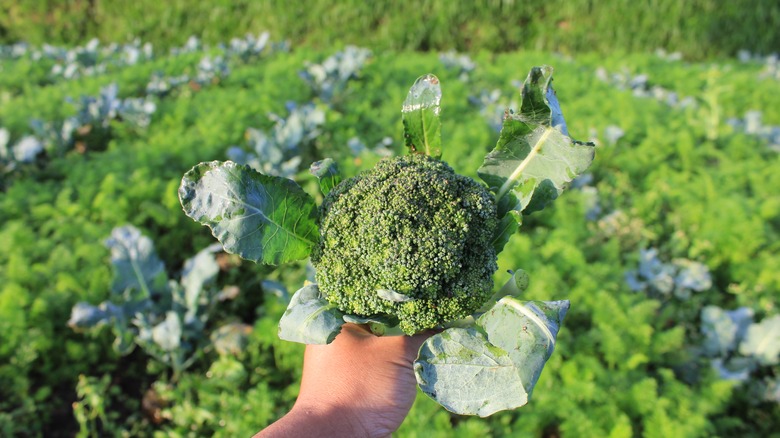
359 385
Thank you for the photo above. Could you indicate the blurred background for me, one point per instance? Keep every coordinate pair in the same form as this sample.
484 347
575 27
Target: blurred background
700 29
119 316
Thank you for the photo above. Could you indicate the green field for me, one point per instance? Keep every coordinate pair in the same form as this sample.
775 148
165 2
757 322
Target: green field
678 217
701 29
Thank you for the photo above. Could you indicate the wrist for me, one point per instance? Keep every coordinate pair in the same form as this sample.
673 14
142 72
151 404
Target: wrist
335 419
316 420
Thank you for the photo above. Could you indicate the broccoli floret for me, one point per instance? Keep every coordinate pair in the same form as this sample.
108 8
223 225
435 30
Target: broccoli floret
409 239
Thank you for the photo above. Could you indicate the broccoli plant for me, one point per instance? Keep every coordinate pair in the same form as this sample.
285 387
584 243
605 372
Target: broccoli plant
739 348
330 78
165 317
410 245
279 152
682 277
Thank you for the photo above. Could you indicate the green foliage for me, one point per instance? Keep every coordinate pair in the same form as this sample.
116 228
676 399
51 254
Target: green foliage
91 410
310 319
327 173
494 365
164 317
262 218
626 363
534 159
422 127
698 28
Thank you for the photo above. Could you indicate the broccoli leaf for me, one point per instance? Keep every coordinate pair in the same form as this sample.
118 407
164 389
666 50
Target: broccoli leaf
762 341
262 218
310 319
85 316
198 271
534 158
466 374
507 226
735 368
531 341
327 172
167 334
513 287
420 111
136 264
494 366
723 330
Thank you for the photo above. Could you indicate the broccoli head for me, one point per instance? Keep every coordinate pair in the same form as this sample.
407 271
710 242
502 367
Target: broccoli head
410 240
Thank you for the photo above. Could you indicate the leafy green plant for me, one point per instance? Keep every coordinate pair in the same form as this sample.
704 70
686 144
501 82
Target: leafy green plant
751 124
89 128
410 245
166 318
462 64
329 79
279 152
681 277
739 347
90 411
627 363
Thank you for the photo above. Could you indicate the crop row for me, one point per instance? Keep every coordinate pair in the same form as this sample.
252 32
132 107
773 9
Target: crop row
667 249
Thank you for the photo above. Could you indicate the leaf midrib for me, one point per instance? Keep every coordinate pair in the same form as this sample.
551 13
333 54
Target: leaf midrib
235 198
536 320
509 183
267 219
425 132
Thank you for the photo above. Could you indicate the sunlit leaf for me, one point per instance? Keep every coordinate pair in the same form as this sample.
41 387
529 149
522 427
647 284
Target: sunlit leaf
534 158
198 272
262 218
310 319
167 334
85 316
527 331
723 330
422 127
480 371
327 172
468 375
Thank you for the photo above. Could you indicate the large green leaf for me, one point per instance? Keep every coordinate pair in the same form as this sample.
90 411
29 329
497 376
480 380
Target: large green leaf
534 158
507 226
467 375
262 218
420 111
495 365
310 319
530 339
